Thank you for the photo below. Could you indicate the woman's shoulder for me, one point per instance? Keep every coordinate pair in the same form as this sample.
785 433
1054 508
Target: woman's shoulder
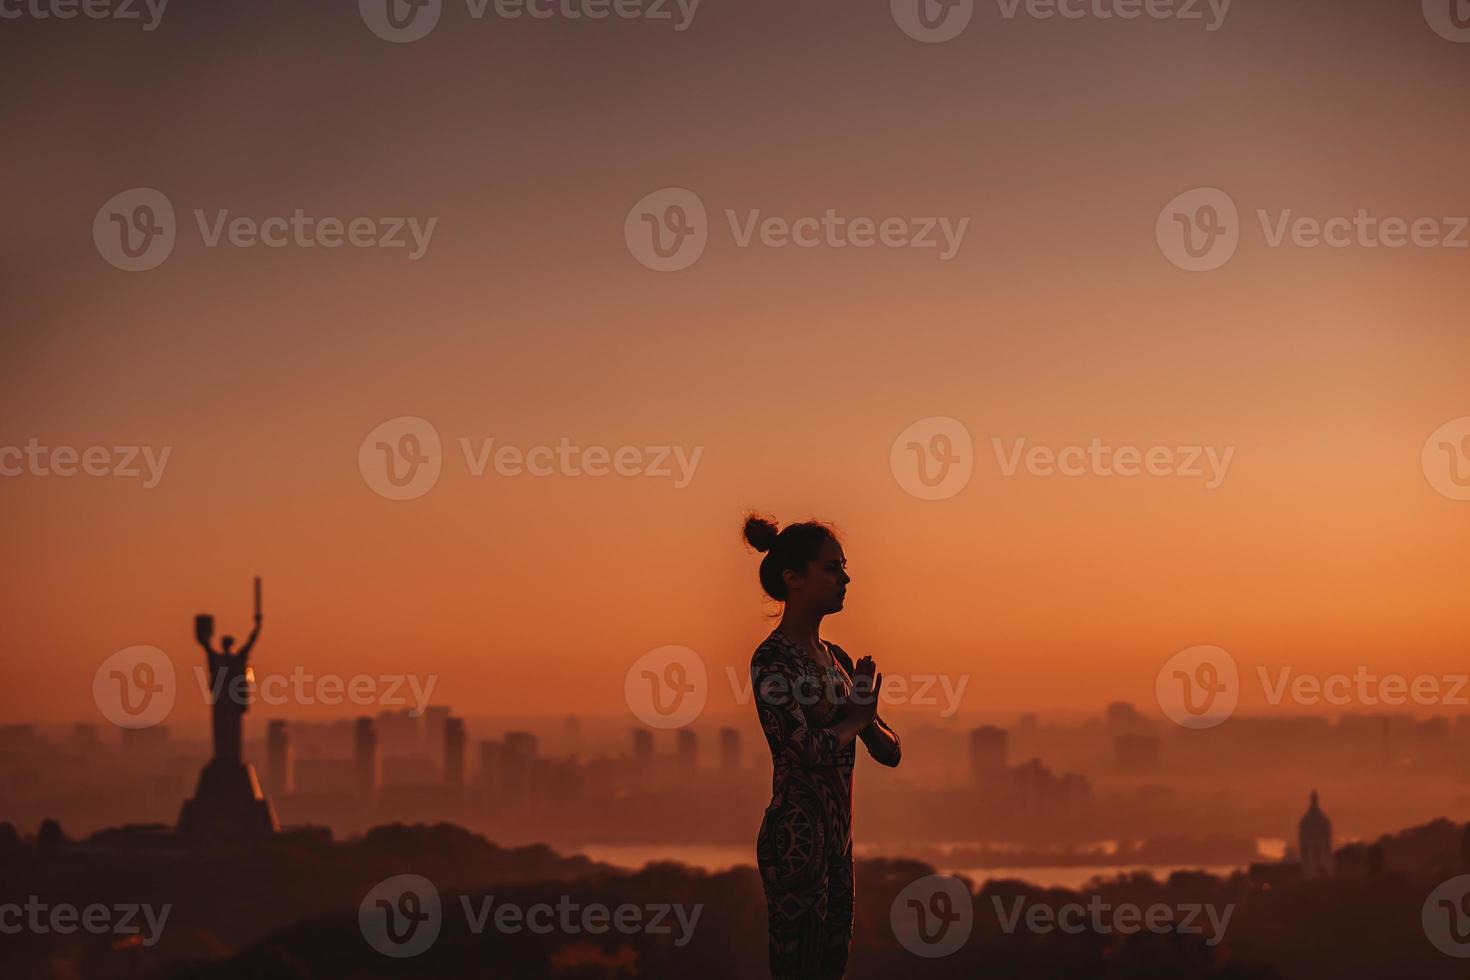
840 655
772 650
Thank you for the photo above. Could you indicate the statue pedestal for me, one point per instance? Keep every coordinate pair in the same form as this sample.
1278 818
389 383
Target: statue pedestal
227 807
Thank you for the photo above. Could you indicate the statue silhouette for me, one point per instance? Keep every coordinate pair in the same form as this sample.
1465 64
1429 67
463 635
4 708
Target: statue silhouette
227 806
229 682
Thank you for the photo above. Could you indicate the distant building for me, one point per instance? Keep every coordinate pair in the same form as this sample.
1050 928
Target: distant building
642 746
688 749
1138 753
454 739
85 735
491 751
1040 792
399 732
368 762
1123 717
517 760
571 734
1314 841
436 716
24 737
145 741
1312 857
522 745
988 748
280 776
729 749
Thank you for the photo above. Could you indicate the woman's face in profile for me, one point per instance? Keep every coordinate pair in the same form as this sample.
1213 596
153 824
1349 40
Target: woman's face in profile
824 586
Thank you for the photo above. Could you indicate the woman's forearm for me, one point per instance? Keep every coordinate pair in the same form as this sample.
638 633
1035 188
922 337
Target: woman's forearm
882 743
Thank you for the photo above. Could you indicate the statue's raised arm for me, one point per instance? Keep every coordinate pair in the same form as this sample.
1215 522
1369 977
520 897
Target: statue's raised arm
250 640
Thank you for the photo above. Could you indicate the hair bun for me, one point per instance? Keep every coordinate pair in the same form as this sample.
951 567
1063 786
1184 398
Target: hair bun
761 532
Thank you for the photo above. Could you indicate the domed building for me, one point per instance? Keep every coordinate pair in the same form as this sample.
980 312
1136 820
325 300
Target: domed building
1314 842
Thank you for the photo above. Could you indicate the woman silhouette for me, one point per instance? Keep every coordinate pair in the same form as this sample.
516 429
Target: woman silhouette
814 704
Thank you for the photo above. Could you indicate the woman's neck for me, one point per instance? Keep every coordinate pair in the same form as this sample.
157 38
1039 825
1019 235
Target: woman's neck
803 628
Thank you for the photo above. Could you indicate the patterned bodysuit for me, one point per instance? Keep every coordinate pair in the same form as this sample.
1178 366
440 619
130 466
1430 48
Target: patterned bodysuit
805 845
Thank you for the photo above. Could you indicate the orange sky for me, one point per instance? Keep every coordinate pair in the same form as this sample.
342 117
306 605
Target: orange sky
528 321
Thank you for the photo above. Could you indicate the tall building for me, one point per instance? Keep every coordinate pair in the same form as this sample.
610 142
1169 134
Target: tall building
280 775
85 735
688 749
642 746
571 734
491 751
988 746
399 733
1123 717
1138 753
517 760
436 716
1314 840
368 760
729 749
454 751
